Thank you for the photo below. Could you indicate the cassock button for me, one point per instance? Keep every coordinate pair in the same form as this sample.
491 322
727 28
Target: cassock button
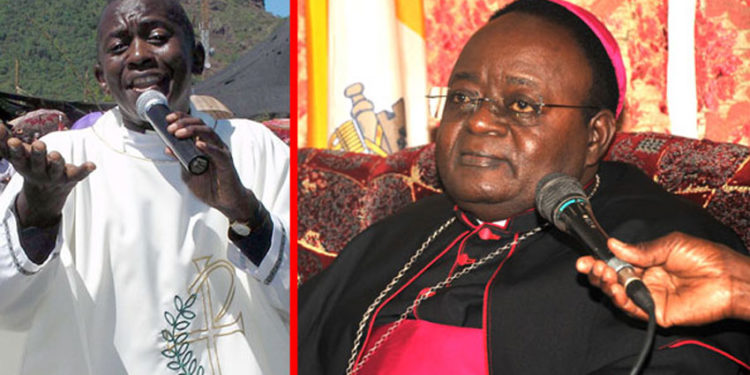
486 234
464 259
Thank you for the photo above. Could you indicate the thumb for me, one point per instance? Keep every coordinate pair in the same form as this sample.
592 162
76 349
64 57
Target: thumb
640 255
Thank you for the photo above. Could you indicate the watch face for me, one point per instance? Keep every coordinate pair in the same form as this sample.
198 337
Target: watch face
241 229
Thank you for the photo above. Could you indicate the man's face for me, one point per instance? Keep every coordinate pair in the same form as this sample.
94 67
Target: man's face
491 159
142 46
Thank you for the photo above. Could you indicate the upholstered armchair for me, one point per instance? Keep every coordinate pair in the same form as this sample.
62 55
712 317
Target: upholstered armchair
341 194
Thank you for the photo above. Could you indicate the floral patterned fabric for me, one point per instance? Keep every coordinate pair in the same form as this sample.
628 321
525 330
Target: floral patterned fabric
722 32
640 27
341 194
280 127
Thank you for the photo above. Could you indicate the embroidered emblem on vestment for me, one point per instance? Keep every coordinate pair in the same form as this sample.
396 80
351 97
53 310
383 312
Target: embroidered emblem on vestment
181 357
215 318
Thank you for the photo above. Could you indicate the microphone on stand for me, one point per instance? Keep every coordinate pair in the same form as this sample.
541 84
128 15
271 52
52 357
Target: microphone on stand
152 106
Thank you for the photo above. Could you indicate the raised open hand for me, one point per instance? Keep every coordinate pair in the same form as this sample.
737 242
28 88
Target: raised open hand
48 179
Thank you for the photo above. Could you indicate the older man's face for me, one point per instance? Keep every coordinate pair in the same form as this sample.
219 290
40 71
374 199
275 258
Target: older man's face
142 46
491 158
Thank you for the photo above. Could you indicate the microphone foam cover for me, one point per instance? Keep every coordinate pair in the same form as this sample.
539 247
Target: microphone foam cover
147 100
554 189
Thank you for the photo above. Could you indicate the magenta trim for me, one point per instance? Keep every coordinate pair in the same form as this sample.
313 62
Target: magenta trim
422 347
486 309
377 311
714 349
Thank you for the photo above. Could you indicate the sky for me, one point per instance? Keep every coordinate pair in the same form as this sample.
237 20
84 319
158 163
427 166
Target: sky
278 7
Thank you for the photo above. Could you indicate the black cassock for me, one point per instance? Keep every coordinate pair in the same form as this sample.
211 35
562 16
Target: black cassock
542 317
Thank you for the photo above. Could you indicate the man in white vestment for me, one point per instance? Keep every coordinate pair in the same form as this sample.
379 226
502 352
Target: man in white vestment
113 259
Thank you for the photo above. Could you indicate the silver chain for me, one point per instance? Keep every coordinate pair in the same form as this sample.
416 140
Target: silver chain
351 369
366 316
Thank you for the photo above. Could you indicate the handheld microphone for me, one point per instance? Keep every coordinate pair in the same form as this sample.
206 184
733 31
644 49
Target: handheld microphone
560 199
152 106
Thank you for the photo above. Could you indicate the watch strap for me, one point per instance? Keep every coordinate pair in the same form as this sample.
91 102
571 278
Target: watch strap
255 246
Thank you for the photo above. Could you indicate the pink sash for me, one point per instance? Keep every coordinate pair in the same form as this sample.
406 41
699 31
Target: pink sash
421 347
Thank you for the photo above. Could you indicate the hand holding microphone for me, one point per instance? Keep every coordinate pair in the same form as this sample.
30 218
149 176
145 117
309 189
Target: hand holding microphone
220 188
152 106
693 281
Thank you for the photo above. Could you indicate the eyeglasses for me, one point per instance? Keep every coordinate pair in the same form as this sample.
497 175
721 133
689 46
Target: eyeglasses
524 110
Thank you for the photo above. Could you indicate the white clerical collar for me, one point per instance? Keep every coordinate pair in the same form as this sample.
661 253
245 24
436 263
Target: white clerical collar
500 223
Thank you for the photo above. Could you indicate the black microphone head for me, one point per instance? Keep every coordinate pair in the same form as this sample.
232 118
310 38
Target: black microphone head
147 100
554 190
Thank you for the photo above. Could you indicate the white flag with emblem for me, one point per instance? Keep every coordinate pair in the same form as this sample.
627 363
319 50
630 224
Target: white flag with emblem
375 75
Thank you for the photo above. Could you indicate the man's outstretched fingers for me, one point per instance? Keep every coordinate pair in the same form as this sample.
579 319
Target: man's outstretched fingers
78 173
38 159
55 165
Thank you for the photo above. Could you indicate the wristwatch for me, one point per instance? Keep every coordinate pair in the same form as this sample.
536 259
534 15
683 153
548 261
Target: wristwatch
240 228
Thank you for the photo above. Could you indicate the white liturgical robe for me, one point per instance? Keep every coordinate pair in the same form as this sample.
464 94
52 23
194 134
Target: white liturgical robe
143 278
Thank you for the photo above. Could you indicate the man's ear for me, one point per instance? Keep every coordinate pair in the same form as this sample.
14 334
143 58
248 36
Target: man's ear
99 74
199 58
602 128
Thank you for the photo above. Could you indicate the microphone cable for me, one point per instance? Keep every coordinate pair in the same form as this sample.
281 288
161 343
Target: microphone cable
647 304
561 200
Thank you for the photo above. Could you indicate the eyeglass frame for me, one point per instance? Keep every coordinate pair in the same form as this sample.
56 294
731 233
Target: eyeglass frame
537 107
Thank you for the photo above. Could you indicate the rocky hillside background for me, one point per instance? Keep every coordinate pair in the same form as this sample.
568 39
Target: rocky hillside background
47 48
